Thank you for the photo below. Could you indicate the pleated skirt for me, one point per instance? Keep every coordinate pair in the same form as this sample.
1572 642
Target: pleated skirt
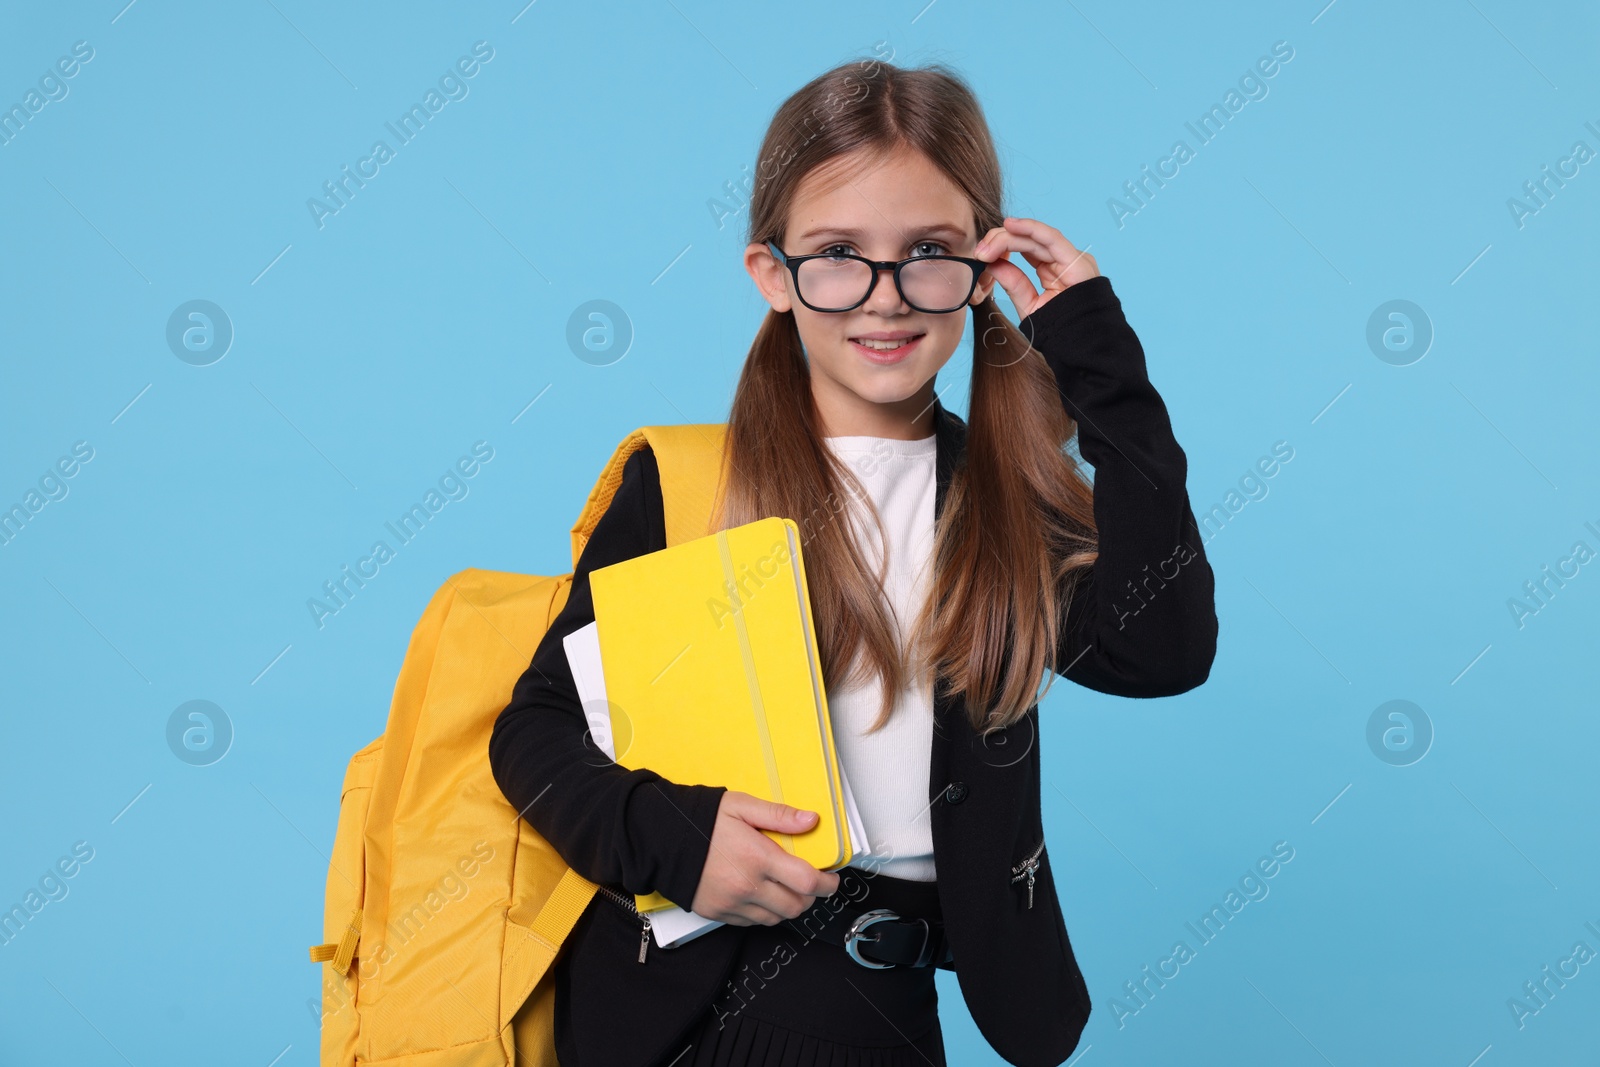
793 1000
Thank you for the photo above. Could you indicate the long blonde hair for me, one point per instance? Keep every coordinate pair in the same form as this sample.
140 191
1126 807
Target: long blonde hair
1016 530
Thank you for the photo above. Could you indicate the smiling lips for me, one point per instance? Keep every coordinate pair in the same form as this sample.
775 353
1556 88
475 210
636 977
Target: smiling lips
886 346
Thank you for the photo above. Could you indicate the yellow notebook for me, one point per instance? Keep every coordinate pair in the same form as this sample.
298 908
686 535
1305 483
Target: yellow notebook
713 678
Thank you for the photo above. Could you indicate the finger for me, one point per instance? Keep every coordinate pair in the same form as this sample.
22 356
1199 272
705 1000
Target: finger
1044 235
1017 285
1041 257
1039 254
752 915
768 903
1012 237
988 236
1004 243
770 876
800 877
781 901
1056 259
745 906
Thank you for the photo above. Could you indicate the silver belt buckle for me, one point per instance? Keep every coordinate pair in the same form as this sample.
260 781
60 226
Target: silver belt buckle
854 935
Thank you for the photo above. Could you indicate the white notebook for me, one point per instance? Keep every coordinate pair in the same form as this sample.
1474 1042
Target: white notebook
672 926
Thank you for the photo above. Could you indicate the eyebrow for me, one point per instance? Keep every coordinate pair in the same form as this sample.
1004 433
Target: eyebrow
857 234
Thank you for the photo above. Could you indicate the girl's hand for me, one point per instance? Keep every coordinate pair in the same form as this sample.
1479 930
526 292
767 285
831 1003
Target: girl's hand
1059 264
748 878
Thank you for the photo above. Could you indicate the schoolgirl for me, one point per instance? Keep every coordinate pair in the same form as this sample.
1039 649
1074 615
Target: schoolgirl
951 564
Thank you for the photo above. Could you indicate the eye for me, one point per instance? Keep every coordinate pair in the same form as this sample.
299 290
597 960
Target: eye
841 247
939 249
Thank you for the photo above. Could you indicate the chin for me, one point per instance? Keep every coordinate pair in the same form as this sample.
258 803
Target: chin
885 393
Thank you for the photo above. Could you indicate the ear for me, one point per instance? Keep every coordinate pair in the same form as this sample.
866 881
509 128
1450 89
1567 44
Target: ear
771 277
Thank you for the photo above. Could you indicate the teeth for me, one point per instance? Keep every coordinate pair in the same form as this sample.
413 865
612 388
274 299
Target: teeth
883 346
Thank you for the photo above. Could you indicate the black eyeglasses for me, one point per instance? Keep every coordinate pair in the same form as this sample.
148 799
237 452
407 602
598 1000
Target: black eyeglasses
934 285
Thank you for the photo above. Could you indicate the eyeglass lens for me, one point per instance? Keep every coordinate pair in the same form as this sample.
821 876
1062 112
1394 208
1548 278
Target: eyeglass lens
931 283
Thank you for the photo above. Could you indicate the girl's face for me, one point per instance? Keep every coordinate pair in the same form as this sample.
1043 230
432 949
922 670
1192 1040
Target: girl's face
891 210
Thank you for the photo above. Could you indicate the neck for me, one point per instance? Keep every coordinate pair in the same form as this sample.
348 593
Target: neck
911 419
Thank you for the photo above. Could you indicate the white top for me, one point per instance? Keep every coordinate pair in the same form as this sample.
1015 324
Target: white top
888 770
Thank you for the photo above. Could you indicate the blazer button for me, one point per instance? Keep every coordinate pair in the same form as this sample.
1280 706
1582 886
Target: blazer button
955 792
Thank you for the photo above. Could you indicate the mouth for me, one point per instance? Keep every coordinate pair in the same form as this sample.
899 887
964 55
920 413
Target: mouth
886 348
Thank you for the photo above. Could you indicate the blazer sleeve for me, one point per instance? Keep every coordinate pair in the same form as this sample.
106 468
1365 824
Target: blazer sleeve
612 825
1142 621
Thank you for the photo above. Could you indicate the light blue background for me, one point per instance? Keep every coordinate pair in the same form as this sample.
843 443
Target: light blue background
429 313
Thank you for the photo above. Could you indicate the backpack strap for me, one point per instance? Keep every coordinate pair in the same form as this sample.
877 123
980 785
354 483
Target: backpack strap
690 457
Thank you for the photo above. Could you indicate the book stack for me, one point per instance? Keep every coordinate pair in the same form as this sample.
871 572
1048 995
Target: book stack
702 666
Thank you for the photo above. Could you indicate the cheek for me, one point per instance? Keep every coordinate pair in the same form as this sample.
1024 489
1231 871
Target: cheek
942 342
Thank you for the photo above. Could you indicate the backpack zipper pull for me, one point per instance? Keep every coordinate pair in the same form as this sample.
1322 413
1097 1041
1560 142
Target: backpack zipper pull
644 937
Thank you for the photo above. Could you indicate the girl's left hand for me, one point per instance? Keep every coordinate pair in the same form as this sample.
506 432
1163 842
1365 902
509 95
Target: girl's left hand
1059 264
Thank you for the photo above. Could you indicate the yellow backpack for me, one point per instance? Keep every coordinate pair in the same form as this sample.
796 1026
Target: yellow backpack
445 910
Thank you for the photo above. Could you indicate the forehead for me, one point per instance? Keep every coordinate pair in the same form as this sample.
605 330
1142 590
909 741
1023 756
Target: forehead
878 199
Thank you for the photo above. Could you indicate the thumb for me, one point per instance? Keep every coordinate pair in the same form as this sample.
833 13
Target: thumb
770 815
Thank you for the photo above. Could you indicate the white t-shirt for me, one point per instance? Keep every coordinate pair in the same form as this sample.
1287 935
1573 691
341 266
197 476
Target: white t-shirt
888 769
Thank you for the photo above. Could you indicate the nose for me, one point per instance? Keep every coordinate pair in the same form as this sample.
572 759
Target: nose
886 296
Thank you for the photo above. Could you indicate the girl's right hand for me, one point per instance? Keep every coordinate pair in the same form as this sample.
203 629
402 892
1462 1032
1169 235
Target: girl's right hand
748 878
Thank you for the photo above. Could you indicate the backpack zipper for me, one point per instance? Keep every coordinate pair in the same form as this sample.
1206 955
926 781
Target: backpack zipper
1028 868
626 902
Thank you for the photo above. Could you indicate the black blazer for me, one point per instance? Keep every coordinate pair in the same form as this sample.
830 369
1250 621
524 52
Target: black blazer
1142 624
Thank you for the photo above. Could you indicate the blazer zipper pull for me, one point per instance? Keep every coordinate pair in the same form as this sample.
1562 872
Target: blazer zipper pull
1028 868
625 902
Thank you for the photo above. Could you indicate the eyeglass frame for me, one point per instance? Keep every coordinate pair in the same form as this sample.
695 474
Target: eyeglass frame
878 266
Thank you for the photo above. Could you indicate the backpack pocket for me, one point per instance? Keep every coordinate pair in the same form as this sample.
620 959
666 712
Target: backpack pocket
341 922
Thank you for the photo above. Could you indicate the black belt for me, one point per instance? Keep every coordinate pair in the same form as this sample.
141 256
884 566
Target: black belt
880 937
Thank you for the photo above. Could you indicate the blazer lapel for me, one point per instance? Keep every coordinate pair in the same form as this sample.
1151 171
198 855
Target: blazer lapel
951 432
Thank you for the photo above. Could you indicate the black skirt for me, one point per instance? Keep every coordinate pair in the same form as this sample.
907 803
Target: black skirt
797 1001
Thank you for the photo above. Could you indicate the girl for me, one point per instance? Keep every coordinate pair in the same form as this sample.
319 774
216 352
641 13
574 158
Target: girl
950 566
